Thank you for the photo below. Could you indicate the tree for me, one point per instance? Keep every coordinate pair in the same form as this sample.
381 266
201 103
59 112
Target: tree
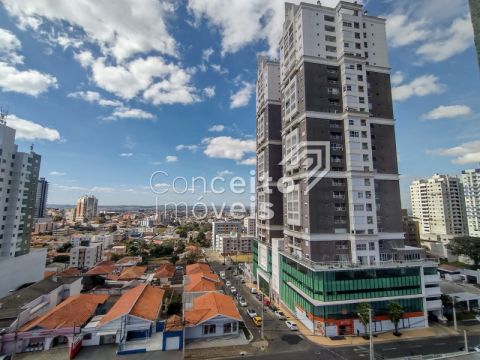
174 258
113 228
363 310
61 258
65 247
466 246
395 313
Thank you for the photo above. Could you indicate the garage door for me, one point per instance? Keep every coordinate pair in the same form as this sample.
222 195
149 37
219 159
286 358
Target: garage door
172 343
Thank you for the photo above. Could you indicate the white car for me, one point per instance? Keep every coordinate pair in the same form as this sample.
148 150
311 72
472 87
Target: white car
233 290
253 290
242 302
228 283
477 317
280 315
251 313
291 325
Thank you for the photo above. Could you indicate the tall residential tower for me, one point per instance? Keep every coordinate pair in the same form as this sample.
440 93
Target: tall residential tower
87 208
343 239
470 180
41 198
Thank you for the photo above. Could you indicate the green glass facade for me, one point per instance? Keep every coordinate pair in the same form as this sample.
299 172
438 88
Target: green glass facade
255 258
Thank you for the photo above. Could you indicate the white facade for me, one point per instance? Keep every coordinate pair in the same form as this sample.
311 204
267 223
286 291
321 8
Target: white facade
222 228
217 326
249 225
85 240
470 180
86 257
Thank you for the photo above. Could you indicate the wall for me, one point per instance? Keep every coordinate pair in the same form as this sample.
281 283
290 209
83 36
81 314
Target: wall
197 331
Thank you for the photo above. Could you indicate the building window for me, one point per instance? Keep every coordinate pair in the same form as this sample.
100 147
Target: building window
209 329
361 247
293 206
347 24
227 328
354 134
261 128
291 150
261 165
290 99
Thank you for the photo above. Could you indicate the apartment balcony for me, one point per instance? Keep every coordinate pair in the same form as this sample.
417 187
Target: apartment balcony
433 291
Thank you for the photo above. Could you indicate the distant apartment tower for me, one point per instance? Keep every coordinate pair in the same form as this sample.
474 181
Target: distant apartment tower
343 241
86 208
86 257
224 228
438 204
411 229
249 225
475 15
41 199
470 180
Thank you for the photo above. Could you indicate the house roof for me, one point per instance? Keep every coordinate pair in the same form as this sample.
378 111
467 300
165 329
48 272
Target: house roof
132 273
198 268
47 274
165 270
174 323
103 268
127 259
71 272
144 301
210 305
74 311
447 267
202 282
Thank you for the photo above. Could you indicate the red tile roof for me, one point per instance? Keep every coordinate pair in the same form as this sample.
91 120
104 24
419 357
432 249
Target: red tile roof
47 274
199 268
132 273
174 323
103 268
143 301
210 305
74 311
165 270
201 282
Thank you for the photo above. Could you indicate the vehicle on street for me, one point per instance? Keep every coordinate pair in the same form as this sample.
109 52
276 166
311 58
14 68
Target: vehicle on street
291 325
238 295
179 267
228 283
471 348
280 315
242 301
477 317
273 307
222 275
257 320
254 290
259 296
251 313
233 290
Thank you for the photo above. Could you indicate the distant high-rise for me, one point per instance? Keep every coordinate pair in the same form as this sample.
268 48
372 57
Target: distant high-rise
86 208
475 14
41 198
438 204
470 180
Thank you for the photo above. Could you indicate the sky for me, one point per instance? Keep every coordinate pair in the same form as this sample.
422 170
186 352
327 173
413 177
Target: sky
111 92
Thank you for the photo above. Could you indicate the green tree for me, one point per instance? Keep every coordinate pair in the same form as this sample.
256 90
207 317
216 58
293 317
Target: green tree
65 247
61 258
174 258
395 313
363 310
466 246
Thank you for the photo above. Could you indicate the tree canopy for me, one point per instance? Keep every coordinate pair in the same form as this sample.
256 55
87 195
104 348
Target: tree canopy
466 246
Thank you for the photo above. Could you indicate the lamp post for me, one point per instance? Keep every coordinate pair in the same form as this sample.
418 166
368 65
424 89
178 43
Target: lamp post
262 336
371 337
454 315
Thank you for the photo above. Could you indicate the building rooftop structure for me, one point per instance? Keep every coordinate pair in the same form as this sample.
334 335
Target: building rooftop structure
201 282
198 268
210 305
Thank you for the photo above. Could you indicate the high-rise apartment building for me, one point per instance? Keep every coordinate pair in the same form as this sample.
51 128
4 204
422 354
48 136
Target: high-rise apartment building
41 198
470 180
223 228
18 186
438 204
343 238
475 15
250 225
86 208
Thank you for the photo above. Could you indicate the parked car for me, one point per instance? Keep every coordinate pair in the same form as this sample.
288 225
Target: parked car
257 320
251 313
238 296
280 315
254 290
233 290
291 325
273 307
471 348
242 301
228 283
242 280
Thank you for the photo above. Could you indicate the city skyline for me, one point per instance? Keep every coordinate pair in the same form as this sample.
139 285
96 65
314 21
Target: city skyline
185 105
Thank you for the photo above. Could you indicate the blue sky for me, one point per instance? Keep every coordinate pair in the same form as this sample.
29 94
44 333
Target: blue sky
110 92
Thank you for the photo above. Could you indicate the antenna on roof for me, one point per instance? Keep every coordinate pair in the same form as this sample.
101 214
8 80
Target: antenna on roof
3 115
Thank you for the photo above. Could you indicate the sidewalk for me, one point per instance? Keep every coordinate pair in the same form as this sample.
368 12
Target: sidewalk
407 334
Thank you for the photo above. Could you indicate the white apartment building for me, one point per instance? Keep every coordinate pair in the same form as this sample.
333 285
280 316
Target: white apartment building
234 243
438 204
249 225
86 257
470 180
223 228
85 240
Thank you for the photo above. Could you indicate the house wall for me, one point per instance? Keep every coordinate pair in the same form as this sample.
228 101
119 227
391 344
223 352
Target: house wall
197 331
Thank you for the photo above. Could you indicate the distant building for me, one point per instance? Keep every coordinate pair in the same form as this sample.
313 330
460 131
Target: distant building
87 208
470 180
43 225
475 15
250 225
234 243
410 227
41 198
222 228
86 257
439 206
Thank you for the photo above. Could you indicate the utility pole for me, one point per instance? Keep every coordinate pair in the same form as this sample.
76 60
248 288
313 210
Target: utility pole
372 356
454 315
466 340
262 317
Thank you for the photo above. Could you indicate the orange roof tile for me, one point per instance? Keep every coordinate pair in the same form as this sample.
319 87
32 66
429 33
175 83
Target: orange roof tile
74 311
174 323
47 274
210 305
198 268
128 259
202 282
71 272
144 301
103 268
165 270
132 272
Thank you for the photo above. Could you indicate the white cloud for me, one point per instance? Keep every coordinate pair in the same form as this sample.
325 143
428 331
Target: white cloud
466 153
250 161
94 97
397 78
402 30
9 44
451 111
219 69
28 130
452 41
209 91
242 96
421 86
171 158
206 53
226 147
126 154
217 128
224 173
186 147
30 82
57 173
128 113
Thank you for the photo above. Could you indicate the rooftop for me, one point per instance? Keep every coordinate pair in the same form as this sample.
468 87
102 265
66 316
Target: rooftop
103 268
210 305
165 270
198 268
132 273
202 282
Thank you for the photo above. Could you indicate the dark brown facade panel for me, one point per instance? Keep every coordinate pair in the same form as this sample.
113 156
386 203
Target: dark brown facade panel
389 205
380 94
384 150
